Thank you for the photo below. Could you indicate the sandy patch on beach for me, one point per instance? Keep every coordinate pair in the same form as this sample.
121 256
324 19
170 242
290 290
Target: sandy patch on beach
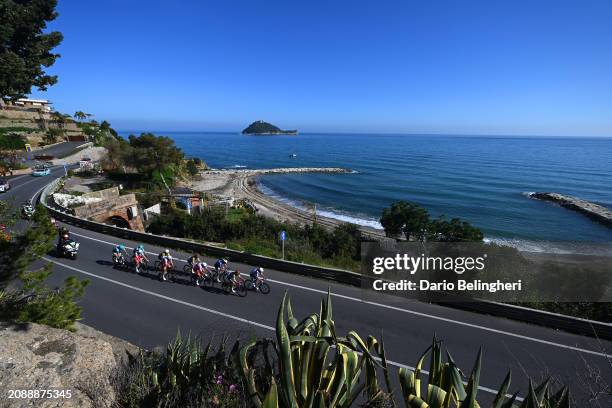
241 184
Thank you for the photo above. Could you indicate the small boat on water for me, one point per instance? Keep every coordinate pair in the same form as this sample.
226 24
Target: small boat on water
293 155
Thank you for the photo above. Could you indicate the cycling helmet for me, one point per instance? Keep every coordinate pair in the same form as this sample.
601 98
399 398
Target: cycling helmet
141 247
261 270
224 260
121 246
167 251
204 264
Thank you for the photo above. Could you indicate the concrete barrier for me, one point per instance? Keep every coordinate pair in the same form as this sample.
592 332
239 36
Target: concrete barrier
543 318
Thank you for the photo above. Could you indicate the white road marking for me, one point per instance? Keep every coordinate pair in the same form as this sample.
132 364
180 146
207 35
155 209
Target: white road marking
425 315
216 312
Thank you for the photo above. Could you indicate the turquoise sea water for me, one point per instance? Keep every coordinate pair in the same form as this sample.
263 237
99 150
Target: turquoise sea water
481 179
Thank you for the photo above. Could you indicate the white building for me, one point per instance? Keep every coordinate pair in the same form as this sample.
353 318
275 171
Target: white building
37 104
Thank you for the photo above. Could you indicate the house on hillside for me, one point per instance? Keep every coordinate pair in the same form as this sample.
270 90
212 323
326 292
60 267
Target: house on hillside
26 104
42 105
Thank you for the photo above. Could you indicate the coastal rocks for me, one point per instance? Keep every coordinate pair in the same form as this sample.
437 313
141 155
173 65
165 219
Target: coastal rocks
594 211
37 357
71 201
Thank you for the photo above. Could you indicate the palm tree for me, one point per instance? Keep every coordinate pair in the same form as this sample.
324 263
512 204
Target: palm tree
80 115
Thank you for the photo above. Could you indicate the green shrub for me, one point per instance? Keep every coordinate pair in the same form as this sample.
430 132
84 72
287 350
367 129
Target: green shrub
34 301
11 141
184 375
257 234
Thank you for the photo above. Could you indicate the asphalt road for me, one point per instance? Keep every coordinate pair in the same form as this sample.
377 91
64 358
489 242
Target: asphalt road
147 312
57 151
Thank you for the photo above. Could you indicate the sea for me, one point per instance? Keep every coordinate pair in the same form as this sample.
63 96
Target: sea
482 179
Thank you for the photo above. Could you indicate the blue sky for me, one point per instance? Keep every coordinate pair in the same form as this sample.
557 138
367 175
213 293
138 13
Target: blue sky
469 67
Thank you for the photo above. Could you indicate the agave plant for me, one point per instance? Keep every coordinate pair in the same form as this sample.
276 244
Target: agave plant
316 368
446 388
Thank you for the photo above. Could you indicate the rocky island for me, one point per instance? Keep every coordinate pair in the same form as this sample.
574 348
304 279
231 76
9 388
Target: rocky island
264 128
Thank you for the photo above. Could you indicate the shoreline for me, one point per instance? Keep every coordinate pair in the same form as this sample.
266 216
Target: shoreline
242 184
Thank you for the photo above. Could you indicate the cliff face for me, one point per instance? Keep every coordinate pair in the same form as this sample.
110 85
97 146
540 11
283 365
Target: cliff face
33 357
264 128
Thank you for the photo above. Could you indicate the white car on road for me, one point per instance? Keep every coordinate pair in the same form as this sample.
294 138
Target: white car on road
4 186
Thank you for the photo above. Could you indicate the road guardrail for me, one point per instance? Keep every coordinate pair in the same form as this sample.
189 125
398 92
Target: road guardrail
571 324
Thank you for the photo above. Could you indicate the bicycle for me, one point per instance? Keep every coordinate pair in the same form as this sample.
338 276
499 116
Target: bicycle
163 275
141 266
239 286
199 278
257 284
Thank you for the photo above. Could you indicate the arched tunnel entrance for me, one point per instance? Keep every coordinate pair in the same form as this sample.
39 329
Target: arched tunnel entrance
119 221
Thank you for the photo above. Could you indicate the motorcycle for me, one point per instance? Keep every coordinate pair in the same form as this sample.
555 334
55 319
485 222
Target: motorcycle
68 249
27 212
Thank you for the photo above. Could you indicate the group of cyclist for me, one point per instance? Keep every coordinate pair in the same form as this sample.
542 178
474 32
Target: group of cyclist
200 269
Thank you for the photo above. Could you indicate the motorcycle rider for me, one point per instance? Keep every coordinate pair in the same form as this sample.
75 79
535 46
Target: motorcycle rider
257 276
64 236
28 208
220 268
118 252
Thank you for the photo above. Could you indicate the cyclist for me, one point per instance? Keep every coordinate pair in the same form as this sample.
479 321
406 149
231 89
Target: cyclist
199 269
166 260
231 277
118 252
257 276
138 255
193 261
220 267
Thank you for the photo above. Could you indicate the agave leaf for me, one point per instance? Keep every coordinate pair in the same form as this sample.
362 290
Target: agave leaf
380 349
407 383
455 378
532 400
542 390
472 387
436 396
503 390
271 400
339 381
556 399
286 366
565 400
416 402
435 364
510 402
319 400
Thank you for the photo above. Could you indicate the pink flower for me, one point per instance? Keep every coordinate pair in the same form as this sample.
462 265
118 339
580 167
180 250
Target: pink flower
232 388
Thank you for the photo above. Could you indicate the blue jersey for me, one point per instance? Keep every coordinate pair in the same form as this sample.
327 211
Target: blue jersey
255 273
219 263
